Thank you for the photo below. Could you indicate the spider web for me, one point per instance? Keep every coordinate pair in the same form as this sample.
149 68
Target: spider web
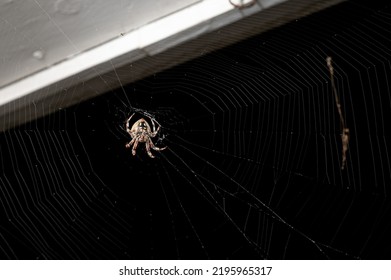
253 164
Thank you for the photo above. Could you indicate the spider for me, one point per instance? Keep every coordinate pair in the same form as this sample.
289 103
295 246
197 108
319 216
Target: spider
141 133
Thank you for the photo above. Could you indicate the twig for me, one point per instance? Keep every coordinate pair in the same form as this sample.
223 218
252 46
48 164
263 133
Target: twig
344 129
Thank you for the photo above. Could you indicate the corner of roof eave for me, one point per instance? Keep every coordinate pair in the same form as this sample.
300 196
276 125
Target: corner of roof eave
174 35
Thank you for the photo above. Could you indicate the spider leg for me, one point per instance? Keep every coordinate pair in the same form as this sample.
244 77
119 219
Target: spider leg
154 130
130 143
135 146
153 124
148 148
127 123
154 147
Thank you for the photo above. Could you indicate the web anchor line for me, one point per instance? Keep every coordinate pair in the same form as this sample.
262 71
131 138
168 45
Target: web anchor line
344 130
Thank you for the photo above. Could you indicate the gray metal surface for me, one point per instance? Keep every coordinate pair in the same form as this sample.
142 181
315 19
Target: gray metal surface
36 34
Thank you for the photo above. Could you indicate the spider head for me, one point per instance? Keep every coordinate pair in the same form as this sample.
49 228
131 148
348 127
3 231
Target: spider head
142 124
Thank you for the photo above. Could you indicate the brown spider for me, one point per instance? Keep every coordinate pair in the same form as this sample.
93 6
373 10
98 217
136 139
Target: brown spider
141 133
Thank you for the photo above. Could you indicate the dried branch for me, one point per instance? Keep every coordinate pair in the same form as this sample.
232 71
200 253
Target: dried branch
344 129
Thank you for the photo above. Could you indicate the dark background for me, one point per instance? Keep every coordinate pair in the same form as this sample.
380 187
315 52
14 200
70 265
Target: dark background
252 168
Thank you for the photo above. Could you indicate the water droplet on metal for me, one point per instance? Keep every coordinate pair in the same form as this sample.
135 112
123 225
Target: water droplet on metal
38 54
